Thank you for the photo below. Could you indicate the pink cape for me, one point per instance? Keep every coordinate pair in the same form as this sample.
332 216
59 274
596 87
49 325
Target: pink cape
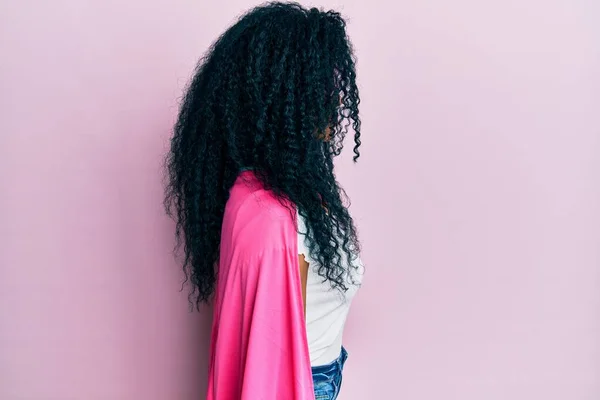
259 349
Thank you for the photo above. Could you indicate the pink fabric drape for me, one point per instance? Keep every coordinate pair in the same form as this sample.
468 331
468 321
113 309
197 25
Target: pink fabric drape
259 349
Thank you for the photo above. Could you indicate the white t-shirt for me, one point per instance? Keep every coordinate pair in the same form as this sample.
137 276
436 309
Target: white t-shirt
326 307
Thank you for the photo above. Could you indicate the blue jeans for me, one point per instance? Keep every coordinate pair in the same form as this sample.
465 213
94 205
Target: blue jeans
327 379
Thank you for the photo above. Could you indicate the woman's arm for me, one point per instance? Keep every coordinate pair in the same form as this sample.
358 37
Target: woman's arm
303 278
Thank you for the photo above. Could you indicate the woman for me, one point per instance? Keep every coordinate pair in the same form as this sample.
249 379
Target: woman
262 218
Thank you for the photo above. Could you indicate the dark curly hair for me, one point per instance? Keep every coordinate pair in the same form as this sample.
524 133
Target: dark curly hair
276 93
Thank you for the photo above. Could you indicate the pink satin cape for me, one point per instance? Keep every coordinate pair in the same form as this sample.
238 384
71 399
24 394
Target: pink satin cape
259 349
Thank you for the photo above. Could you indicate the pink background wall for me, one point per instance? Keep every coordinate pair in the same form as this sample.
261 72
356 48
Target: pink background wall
478 200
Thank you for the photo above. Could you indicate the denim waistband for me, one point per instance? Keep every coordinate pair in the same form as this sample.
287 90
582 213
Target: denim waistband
330 371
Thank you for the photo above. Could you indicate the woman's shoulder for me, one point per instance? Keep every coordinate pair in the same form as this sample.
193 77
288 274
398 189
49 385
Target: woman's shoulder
255 216
249 196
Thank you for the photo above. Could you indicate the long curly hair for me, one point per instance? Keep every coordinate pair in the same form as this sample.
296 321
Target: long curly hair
276 93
